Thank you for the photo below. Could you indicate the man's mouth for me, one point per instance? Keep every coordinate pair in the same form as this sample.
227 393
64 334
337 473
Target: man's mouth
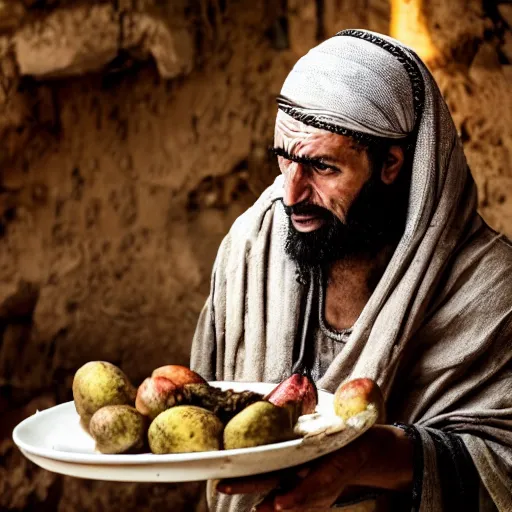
306 223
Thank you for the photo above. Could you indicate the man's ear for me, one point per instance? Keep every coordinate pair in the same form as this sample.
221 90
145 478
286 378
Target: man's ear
392 165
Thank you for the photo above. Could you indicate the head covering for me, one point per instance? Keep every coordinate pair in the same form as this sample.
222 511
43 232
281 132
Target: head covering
435 334
336 86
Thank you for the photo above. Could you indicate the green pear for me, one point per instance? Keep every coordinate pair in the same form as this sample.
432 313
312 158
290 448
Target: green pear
258 424
185 428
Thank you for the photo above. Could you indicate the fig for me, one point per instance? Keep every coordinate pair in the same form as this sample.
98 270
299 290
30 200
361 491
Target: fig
185 428
97 384
118 429
298 392
358 395
258 424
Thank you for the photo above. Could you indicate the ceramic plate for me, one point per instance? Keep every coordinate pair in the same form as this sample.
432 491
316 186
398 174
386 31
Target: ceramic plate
54 440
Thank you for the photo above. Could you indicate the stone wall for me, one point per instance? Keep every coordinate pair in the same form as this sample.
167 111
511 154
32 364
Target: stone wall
133 133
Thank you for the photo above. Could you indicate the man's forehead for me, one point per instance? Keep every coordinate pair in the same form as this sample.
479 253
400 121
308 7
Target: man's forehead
287 126
294 136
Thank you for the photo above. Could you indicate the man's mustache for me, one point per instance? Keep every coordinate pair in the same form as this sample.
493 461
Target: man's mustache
306 208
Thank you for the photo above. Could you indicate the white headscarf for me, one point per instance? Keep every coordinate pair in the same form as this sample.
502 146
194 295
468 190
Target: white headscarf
337 82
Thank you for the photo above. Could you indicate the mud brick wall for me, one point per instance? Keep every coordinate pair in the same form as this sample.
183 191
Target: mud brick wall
133 133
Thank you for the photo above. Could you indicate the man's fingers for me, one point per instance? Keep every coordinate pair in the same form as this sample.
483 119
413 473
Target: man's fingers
262 483
248 485
321 486
257 483
316 487
266 505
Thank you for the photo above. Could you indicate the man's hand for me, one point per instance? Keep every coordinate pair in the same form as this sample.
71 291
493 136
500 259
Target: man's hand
381 458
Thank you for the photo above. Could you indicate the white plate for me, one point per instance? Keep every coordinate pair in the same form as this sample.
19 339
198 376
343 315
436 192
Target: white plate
54 440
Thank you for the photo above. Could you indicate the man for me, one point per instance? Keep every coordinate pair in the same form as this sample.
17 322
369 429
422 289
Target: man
367 258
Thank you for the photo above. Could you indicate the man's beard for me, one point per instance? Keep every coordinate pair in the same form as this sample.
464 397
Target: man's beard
375 220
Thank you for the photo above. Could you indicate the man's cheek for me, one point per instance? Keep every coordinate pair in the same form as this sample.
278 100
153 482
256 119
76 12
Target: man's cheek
339 210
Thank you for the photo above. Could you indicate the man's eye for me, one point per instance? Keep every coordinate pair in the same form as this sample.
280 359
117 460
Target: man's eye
323 168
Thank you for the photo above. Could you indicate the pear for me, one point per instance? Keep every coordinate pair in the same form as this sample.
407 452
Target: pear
185 428
118 429
98 384
258 424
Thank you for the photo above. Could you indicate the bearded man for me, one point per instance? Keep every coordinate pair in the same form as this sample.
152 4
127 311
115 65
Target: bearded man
367 258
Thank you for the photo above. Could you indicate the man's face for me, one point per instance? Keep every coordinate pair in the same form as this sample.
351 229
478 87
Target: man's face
337 203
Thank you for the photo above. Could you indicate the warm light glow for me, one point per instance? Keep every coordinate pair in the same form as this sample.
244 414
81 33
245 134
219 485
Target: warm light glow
408 25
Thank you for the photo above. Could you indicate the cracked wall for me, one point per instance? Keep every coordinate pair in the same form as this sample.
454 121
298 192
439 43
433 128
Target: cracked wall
133 134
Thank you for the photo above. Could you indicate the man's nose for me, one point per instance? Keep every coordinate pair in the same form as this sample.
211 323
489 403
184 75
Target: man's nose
296 185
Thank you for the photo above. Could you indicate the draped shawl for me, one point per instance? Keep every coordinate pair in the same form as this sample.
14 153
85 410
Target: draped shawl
436 333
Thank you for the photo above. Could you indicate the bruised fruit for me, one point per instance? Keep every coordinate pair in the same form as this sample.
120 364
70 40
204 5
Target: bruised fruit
118 429
358 395
153 396
185 428
157 394
298 392
179 375
97 384
258 424
163 389
224 403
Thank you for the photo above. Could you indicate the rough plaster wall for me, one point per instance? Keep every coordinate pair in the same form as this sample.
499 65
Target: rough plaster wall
133 133
473 67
